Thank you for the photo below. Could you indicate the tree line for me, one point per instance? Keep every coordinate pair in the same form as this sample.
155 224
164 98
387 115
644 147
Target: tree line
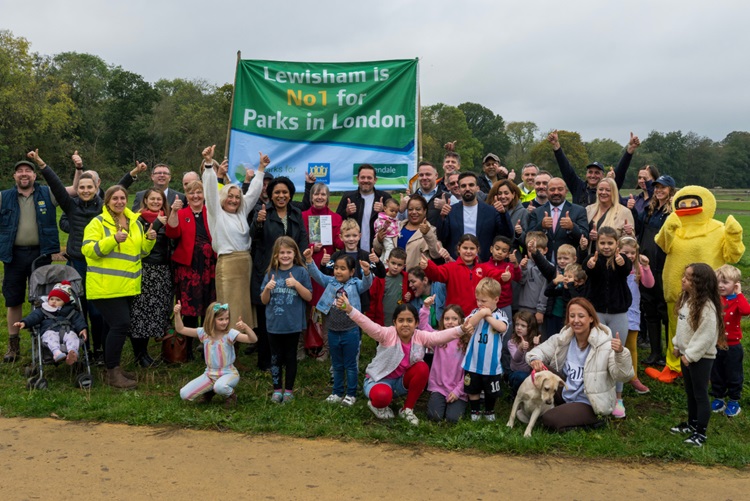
113 117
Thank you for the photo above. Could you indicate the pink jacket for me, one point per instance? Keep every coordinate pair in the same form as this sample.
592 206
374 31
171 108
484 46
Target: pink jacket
389 353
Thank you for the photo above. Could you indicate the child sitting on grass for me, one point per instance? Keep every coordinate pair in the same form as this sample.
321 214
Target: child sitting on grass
61 324
220 376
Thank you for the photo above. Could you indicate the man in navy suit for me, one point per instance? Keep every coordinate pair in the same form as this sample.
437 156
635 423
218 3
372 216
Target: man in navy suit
562 221
472 216
160 175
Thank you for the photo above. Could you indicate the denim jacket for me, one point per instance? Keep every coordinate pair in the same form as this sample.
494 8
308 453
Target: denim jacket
353 288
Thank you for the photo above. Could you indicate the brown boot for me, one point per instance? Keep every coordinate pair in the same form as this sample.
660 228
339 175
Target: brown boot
14 349
230 401
129 375
116 379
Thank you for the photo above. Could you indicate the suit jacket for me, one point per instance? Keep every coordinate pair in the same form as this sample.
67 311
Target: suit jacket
561 235
171 195
357 200
490 223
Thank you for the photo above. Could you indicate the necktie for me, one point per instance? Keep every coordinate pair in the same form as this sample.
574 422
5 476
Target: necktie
555 218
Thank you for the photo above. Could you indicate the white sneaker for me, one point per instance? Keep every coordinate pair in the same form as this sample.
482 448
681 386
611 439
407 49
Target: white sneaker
489 417
333 399
408 414
348 401
385 413
475 416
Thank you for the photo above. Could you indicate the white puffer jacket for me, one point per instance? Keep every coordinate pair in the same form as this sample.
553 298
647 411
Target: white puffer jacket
603 367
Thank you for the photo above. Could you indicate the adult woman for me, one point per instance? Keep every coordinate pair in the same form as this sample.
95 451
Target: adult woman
653 304
505 196
80 211
114 243
194 259
416 235
319 207
398 367
230 237
646 177
151 309
590 360
281 218
606 211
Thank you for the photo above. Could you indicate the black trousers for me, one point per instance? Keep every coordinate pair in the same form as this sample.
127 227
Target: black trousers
116 312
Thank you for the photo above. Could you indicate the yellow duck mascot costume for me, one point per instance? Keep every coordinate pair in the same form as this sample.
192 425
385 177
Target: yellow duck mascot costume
691 235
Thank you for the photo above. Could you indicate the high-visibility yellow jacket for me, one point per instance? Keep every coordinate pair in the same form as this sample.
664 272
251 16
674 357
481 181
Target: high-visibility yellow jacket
114 269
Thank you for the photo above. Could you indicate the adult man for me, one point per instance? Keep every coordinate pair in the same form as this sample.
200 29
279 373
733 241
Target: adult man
188 178
451 164
363 204
28 230
540 190
528 174
492 173
427 176
471 216
584 192
160 176
563 221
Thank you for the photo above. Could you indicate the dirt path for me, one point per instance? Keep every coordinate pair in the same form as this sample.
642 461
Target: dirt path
49 459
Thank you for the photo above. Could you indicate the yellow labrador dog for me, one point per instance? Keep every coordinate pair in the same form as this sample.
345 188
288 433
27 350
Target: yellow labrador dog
536 395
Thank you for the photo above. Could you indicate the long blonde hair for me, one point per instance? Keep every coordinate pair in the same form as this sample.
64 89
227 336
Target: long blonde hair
628 241
284 241
612 214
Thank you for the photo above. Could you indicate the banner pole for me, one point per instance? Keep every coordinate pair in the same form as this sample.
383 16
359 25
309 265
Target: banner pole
231 105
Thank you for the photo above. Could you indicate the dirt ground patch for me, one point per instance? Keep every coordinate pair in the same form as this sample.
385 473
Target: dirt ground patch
51 459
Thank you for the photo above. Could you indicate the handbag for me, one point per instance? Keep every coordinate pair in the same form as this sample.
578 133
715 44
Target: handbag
174 347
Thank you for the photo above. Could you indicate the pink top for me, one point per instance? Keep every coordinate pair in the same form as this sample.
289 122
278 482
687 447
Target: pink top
446 374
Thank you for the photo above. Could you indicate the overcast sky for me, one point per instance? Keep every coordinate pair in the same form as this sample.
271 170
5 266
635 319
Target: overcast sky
601 68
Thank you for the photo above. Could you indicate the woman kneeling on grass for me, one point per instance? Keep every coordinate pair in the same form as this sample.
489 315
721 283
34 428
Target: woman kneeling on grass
398 366
590 360
218 350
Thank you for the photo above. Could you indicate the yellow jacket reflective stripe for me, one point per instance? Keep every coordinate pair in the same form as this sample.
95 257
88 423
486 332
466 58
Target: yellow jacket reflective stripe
114 269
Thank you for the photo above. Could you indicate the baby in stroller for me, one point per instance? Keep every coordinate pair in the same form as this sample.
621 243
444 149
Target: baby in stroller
61 323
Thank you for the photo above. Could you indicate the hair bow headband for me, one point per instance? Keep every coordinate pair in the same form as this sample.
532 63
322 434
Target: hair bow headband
218 307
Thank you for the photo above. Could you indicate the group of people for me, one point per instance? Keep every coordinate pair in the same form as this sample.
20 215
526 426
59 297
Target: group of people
469 283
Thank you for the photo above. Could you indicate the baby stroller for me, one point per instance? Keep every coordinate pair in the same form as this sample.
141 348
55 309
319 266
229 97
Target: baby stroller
41 282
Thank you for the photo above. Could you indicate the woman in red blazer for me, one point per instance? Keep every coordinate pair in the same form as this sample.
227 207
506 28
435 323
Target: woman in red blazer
194 259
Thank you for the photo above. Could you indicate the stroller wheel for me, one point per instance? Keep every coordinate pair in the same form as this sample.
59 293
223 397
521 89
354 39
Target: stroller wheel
28 372
84 381
30 382
41 384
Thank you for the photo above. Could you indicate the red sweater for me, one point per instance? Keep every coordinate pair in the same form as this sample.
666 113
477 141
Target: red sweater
185 234
460 281
377 292
734 310
506 293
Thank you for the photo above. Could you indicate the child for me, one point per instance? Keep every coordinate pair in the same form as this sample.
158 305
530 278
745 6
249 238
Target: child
389 292
461 276
423 288
641 274
285 289
608 271
350 235
482 360
446 383
532 298
500 251
525 337
61 323
343 333
388 223
566 254
726 374
218 340
700 328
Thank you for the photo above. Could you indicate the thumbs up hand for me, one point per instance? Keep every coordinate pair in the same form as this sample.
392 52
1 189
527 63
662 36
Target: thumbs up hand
616 343
271 283
378 205
592 260
77 160
631 201
566 222
351 208
547 221
262 215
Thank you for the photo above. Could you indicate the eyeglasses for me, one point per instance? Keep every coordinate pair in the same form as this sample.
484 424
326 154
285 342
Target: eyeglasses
161 173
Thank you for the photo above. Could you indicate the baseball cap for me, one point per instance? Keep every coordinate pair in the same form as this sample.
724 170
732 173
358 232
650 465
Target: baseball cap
596 165
24 162
666 181
491 156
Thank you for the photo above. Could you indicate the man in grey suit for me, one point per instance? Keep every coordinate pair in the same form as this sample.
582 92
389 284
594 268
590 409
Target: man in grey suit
160 176
562 221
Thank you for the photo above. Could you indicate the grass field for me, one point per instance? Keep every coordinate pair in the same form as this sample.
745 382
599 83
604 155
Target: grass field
643 436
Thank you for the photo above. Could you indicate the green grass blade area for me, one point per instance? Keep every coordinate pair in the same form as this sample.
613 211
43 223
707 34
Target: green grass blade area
642 436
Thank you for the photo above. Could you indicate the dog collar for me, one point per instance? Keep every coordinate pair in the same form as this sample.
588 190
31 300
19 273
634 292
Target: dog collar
533 373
